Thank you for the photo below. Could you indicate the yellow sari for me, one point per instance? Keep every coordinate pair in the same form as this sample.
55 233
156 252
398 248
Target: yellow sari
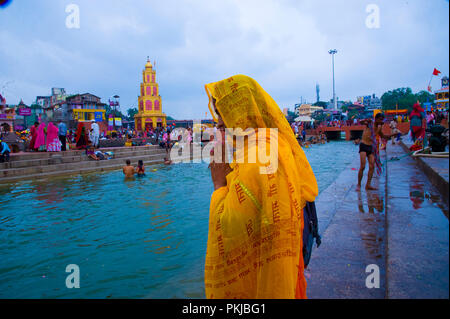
256 221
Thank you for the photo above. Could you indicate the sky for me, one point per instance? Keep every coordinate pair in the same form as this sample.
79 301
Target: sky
282 44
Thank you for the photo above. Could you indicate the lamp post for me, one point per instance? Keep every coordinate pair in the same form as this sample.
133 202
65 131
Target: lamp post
333 52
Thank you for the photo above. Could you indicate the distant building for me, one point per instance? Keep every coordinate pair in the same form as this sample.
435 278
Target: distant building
441 95
371 102
58 96
7 117
307 109
79 108
317 93
340 104
49 103
43 101
150 105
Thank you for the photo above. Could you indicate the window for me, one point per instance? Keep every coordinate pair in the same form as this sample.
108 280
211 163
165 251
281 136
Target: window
157 105
141 106
148 78
154 90
148 105
148 90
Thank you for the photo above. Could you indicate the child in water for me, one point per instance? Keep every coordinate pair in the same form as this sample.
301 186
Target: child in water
140 169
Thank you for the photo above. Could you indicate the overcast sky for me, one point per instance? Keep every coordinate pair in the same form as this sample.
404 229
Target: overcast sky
282 44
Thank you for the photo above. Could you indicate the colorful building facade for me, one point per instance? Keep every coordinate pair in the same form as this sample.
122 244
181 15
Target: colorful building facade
307 109
150 113
85 107
441 95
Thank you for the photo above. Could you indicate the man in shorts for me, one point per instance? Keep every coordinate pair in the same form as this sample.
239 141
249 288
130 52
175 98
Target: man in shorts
366 150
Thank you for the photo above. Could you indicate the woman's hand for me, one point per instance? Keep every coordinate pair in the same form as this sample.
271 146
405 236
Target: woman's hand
219 171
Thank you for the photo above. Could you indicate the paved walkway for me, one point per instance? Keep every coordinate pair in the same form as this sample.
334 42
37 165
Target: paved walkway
402 228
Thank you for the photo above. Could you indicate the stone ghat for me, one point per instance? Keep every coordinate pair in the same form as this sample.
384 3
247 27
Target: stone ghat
29 165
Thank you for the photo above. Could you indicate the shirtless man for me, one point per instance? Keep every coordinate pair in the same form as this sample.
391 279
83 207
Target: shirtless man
128 170
366 150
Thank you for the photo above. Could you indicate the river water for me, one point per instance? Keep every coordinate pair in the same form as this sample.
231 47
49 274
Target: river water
144 238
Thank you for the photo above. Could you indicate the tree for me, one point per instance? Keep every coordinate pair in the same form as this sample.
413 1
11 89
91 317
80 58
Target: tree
405 98
110 110
131 112
321 103
291 114
424 96
319 116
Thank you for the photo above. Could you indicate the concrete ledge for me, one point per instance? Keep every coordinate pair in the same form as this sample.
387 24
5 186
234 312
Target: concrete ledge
438 181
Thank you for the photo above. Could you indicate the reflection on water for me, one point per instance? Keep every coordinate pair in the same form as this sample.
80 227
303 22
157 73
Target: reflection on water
416 194
372 223
131 239
374 202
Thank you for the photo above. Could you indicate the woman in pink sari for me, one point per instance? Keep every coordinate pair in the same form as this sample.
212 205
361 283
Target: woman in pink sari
53 142
33 133
39 144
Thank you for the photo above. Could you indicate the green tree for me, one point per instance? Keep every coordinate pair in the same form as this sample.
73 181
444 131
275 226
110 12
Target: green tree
319 116
321 103
424 96
291 114
405 98
131 112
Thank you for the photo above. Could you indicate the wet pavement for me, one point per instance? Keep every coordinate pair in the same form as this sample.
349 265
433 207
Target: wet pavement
418 236
401 227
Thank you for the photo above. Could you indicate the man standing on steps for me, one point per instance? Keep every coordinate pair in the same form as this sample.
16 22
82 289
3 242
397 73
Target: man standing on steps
62 134
95 133
368 149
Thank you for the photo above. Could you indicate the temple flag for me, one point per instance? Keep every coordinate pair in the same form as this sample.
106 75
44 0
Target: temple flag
436 71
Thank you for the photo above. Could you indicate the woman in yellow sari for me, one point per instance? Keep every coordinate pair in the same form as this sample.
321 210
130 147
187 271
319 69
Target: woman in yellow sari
256 219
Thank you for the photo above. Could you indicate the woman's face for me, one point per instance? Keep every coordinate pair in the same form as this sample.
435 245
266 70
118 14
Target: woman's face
220 123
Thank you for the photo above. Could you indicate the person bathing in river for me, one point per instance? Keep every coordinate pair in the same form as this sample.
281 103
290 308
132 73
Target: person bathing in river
128 170
167 161
368 149
140 169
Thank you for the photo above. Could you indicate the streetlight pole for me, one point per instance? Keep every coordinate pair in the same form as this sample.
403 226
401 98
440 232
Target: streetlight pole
333 52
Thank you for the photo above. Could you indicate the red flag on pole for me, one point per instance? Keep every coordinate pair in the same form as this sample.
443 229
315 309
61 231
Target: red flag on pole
436 71
429 89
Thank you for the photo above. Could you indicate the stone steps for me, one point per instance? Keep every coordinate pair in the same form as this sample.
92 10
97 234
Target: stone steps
76 171
41 165
76 165
68 158
44 155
